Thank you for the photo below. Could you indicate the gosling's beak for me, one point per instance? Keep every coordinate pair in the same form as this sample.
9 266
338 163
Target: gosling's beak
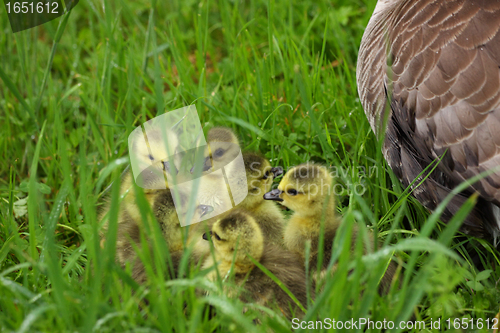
205 235
277 171
170 168
207 165
273 195
205 209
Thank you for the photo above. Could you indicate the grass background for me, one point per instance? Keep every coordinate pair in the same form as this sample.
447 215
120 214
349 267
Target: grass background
282 75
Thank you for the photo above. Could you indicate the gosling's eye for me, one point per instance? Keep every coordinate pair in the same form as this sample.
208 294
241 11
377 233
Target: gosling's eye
219 152
292 192
151 157
266 175
216 236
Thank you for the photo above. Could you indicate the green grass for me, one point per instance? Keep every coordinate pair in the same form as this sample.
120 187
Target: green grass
282 75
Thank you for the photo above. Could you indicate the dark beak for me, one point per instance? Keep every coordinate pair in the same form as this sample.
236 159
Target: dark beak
273 195
167 167
207 165
205 209
278 171
205 235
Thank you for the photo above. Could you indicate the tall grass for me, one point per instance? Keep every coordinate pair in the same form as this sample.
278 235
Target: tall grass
282 74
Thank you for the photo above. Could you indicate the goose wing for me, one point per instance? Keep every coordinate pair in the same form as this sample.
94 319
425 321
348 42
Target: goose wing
437 64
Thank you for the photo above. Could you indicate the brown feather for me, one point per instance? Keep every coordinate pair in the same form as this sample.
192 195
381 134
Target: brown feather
445 76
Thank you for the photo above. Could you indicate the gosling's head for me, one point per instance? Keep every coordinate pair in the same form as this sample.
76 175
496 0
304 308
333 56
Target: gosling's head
304 189
238 232
223 147
260 177
154 149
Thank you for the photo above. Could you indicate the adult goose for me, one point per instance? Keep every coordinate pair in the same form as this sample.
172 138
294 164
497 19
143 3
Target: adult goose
434 65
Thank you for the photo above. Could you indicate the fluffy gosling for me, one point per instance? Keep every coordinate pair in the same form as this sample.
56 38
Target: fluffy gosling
222 149
260 176
157 194
236 238
305 189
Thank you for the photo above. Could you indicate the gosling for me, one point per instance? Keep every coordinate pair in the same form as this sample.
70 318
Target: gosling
305 189
219 170
149 156
236 238
260 176
222 148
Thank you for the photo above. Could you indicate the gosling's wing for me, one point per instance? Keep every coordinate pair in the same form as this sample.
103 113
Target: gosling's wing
443 86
